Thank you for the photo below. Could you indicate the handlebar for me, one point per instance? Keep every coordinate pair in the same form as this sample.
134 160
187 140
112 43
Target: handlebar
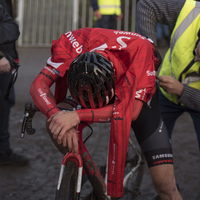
29 112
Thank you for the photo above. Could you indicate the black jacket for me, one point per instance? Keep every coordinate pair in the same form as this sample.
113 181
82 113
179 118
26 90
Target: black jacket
9 30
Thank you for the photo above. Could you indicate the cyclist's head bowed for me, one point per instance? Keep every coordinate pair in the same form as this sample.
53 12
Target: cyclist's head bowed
91 80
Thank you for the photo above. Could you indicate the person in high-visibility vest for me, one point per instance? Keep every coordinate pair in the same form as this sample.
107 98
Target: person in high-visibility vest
107 13
179 77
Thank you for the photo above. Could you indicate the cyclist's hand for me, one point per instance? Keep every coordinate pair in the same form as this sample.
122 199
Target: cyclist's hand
170 85
61 122
70 140
4 65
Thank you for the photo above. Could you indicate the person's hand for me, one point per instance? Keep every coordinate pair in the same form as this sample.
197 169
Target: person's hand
62 126
170 85
4 65
119 16
97 14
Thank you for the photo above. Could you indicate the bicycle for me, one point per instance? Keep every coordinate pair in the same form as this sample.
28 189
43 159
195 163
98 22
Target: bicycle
75 167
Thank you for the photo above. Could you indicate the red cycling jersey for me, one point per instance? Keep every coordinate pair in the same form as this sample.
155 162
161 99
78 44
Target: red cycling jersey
132 57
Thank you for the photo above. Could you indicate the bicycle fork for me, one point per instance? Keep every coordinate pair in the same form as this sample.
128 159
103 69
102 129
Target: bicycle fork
79 163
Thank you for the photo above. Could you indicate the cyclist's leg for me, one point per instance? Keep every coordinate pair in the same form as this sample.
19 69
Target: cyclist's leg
196 118
155 144
169 112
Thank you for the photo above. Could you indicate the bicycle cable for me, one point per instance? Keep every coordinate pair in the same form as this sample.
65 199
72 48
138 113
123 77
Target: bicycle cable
90 132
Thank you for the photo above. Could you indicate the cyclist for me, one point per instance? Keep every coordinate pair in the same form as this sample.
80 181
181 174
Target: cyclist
111 74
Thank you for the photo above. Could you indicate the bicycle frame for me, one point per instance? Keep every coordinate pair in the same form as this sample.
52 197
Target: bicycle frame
83 158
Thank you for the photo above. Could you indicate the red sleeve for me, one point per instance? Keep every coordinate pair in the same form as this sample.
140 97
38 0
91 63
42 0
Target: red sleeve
105 114
101 115
140 76
41 93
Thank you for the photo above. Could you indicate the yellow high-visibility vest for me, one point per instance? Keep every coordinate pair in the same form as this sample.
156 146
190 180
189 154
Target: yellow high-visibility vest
109 7
180 53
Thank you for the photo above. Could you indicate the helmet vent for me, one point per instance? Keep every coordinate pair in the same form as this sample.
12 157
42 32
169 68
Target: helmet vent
91 80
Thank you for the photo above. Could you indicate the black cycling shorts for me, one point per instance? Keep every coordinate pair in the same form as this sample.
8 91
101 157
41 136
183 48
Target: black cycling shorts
152 135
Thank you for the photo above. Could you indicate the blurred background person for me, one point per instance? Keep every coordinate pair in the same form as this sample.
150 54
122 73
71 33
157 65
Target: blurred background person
7 156
107 13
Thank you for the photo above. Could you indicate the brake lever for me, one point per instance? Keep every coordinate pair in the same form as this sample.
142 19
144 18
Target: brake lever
29 112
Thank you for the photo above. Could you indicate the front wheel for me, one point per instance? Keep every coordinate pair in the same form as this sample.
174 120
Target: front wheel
67 190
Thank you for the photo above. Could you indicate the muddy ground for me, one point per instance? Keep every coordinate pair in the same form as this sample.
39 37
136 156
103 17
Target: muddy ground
38 180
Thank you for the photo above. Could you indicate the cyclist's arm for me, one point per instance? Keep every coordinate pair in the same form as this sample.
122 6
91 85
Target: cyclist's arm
64 121
41 93
45 102
104 114
101 115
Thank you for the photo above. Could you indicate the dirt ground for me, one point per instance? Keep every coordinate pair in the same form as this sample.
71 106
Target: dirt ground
38 180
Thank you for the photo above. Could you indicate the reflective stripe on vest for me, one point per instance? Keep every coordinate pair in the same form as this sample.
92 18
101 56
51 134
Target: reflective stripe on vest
180 54
109 7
